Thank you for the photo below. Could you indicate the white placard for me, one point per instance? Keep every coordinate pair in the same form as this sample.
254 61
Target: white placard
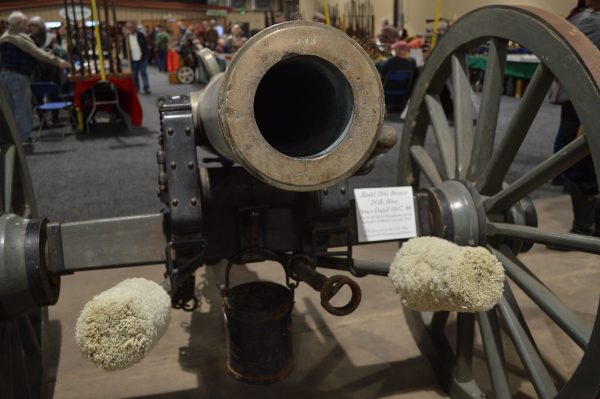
386 213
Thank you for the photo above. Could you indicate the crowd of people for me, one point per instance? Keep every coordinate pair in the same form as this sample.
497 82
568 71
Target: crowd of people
579 181
186 39
30 52
398 43
27 52
151 45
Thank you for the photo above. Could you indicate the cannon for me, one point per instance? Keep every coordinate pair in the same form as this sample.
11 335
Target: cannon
284 155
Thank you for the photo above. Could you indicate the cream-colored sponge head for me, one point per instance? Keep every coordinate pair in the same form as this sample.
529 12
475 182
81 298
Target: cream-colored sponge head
432 274
119 326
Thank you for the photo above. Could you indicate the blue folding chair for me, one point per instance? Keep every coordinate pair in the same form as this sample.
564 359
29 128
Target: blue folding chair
396 87
46 95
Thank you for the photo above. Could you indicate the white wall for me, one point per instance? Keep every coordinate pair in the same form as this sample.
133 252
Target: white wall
417 11
381 8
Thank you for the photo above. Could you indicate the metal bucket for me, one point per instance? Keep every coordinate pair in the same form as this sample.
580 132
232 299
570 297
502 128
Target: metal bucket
259 331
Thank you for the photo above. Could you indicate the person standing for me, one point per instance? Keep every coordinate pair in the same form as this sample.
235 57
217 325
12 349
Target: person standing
18 57
162 47
237 38
580 7
400 62
136 45
580 180
37 31
211 37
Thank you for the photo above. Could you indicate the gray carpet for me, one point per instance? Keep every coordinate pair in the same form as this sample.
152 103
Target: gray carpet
107 175
102 175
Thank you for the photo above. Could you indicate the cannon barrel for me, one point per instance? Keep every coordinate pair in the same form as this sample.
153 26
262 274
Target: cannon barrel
301 107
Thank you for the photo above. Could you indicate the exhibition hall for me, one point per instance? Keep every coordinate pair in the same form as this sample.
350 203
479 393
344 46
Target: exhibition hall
328 199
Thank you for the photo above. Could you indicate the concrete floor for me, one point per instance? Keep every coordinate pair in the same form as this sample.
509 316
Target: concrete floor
369 354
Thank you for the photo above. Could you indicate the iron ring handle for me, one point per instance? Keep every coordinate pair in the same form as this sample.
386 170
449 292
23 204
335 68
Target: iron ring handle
332 287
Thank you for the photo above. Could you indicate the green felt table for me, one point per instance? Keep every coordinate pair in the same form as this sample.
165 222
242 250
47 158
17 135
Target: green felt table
519 70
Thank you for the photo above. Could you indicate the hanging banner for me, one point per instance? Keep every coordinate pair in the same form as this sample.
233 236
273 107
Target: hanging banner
211 12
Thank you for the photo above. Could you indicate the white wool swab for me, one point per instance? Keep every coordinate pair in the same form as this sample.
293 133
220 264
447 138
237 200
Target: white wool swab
119 326
432 274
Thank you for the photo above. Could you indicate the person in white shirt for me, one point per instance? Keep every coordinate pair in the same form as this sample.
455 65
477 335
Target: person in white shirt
136 45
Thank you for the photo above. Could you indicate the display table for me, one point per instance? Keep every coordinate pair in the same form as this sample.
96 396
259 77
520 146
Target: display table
128 95
520 66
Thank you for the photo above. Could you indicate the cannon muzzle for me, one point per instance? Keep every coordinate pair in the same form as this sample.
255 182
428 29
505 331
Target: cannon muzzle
300 107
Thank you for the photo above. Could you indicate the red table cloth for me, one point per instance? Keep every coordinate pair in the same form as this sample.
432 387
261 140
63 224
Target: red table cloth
128 96
172 61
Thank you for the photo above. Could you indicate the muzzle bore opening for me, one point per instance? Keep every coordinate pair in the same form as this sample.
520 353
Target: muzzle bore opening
304 106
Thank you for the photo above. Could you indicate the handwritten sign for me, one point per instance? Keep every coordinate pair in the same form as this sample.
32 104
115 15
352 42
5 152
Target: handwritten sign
385 213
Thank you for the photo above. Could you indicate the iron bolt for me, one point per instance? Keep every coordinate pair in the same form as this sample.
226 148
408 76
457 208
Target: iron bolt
325 191
194 201
343 189
188 131
191 165
162 178
170 131
173 165
175 202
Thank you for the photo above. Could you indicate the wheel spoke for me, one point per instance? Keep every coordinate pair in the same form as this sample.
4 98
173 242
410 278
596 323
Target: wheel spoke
494 353
6 371
31 344
443 135
565 240
13 375
463 114
438 322
542 382
493 176
491 95
9 174
21 359
464 346
551 167
543 297
426 164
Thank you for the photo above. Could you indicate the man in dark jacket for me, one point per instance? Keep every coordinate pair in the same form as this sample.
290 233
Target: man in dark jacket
401 62
136 46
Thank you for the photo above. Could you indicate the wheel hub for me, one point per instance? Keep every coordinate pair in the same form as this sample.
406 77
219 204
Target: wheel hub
457 213
24 279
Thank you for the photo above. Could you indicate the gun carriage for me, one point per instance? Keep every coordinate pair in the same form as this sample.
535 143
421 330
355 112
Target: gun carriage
298 113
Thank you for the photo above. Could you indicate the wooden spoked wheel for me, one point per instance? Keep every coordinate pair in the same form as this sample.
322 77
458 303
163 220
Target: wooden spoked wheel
476 206
23 371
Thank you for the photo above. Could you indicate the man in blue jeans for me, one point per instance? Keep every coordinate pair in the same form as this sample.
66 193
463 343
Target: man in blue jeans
18 57
136 45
